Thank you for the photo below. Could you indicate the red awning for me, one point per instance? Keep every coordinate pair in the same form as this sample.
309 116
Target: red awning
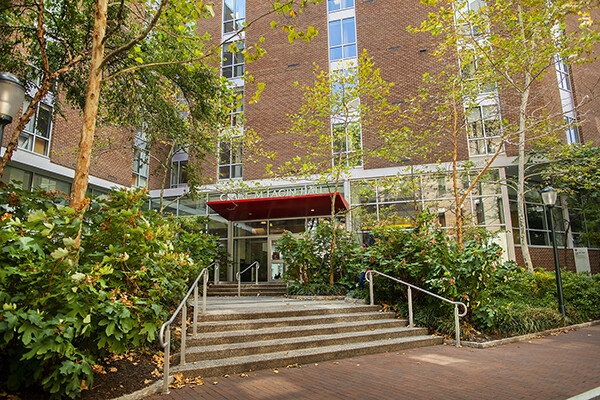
279 207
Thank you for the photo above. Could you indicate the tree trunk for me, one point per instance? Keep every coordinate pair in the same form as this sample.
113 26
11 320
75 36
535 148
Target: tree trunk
90 112
521 165
458 213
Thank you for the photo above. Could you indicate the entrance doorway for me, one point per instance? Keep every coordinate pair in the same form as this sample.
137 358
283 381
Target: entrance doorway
257 241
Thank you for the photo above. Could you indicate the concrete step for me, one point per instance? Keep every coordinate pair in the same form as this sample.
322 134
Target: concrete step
313 320
245 336
278 293
288 313
212 352
280 359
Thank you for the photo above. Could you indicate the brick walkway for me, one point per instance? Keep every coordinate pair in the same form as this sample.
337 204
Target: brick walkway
554 367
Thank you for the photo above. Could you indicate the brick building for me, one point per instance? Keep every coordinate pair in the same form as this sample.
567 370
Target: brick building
250 220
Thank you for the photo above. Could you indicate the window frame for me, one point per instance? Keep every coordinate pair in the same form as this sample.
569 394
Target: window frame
28 138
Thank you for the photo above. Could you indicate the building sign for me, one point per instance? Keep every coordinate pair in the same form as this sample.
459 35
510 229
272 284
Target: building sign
290 191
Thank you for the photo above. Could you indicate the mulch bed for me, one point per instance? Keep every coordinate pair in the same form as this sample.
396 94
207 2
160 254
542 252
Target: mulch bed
113 378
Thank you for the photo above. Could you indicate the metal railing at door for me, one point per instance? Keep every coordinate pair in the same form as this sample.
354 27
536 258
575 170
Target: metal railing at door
238 275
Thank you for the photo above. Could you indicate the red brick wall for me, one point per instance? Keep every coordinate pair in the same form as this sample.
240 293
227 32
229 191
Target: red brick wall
543 257
112 156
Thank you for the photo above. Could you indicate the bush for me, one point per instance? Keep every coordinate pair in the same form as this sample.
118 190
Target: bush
66 306
320 257
425 256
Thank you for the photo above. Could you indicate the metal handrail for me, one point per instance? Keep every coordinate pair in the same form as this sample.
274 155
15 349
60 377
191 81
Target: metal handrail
238 275
369 278
165 341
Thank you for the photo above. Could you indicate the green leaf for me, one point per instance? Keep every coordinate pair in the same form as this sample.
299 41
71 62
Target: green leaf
59 253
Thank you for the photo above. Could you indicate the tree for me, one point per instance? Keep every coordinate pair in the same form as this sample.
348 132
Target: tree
328 129
508 48
574 171
106 43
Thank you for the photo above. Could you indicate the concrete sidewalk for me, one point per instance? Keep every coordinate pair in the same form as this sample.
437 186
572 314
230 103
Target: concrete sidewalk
553 367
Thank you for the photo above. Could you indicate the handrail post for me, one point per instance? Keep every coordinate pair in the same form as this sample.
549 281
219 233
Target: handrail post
195 327
239 277
410 308
216 278
183 334
167 355
256 273
457 325
204 286
371 286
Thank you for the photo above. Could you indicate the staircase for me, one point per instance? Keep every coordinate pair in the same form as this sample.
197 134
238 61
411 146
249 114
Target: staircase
236 342
248 289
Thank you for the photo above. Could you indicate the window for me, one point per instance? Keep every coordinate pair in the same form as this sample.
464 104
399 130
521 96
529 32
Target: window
469 68
237 108
179 175
234 14
342 39
230 158
35 136
483 130
334 5
466 18
572 130
347 144
139 177
233 62
562 74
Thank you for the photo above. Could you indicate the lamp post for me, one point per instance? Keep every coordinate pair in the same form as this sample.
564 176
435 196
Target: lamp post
12 94
549 196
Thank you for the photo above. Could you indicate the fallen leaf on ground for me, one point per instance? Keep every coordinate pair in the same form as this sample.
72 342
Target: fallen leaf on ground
113 369
244 375
276 371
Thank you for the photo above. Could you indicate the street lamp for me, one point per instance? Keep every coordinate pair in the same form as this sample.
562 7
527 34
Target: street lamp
12 94
549 196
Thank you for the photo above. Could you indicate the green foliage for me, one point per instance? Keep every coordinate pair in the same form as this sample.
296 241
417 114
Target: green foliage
426 257
64 306
574 171
518 303
313 257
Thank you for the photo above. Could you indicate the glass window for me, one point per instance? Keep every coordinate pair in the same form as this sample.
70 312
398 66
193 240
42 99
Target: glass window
342 39
291 225
12 174
334 5
179 174
35 136
234 14
140 168
483 130
51 184
233 61
230 158
347 144
253 228
237 108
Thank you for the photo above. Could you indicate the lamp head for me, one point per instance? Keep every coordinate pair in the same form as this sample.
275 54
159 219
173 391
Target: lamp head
12 94
549 196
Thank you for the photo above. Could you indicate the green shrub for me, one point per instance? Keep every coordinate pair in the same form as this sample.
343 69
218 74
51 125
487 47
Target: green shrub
65 306
325 255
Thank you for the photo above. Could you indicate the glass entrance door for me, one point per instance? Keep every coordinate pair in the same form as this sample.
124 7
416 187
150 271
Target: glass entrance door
245 252
276 263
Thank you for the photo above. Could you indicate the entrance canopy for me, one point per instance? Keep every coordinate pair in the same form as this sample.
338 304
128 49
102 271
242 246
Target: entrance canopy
279 207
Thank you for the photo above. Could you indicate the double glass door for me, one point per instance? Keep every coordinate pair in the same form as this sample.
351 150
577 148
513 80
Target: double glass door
264 250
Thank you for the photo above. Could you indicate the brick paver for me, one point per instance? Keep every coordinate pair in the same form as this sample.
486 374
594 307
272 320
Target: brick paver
554 367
